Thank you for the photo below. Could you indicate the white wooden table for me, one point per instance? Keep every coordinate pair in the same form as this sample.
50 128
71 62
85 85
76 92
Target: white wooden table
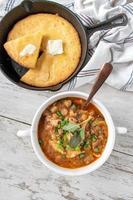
23 177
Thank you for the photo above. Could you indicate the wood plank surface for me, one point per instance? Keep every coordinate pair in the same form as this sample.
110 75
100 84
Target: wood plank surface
21 104
23 177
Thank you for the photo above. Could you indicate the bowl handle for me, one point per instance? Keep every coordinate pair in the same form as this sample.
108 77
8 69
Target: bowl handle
24 133
121 130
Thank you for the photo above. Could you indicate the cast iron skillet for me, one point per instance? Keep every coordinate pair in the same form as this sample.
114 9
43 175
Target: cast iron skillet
13 71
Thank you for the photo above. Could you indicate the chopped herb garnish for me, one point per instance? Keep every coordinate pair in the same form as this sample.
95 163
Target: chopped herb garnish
77 148
93 138
90 121
82 155
65 132
65 140
59 126
95 122
40 141
82 133
68 147
71 127
73 107
56 129
86 144
59 114
60 144
64 122
96 150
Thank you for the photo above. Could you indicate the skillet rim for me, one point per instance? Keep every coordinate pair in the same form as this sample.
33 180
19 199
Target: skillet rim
78 68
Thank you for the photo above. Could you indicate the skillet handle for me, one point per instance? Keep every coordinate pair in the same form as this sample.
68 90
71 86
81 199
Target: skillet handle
116 21
27 5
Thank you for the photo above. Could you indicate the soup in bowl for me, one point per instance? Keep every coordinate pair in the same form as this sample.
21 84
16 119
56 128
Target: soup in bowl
70 136
70 140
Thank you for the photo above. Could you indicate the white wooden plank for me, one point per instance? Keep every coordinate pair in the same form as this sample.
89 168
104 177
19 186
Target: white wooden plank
23 177
21 104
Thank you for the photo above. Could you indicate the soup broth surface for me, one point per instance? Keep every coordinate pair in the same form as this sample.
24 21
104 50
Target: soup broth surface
70 136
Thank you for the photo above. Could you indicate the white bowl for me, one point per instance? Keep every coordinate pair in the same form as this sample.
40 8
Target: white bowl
82 170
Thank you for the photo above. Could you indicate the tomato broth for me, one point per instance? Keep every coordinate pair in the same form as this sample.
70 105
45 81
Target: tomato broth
70 136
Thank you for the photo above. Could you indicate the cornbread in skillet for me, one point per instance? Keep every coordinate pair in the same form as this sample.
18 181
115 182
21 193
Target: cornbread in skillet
25 49
41 74
58 67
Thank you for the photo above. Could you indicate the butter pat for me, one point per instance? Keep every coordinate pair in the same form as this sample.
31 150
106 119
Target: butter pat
55 47
28 50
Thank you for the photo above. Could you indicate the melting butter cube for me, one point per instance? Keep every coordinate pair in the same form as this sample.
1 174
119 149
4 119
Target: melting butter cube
55 47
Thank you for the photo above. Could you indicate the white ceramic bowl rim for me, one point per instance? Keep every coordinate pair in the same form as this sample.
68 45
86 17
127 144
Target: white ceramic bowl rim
83 170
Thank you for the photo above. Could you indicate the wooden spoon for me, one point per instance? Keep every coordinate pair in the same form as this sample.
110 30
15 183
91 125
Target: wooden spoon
102 76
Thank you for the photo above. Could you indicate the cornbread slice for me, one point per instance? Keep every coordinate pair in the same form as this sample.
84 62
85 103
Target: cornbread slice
25 50
41 74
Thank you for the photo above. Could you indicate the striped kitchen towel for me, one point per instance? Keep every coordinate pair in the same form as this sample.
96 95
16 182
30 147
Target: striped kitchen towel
114 46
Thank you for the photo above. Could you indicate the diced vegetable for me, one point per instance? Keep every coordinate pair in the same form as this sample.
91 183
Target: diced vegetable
40 142
60 144
86 144
82 155
64 122
63 156
67 103
56 129
93 138
65 132
65 140
78 101
53 109
83 117
64 111
95 122
82 133
68 147
88 120
77 148
96 150
59 114
72 153
73 107
59 125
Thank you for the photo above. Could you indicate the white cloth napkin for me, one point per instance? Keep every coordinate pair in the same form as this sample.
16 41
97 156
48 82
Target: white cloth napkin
115 46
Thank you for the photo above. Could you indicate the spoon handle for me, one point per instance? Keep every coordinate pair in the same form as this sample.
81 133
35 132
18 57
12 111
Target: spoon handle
102 76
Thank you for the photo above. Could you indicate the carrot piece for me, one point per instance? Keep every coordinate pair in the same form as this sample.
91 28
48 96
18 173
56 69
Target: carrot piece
78 101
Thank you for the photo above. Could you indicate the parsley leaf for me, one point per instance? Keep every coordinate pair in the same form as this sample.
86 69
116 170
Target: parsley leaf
59 114
75 140
71 127
82 133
